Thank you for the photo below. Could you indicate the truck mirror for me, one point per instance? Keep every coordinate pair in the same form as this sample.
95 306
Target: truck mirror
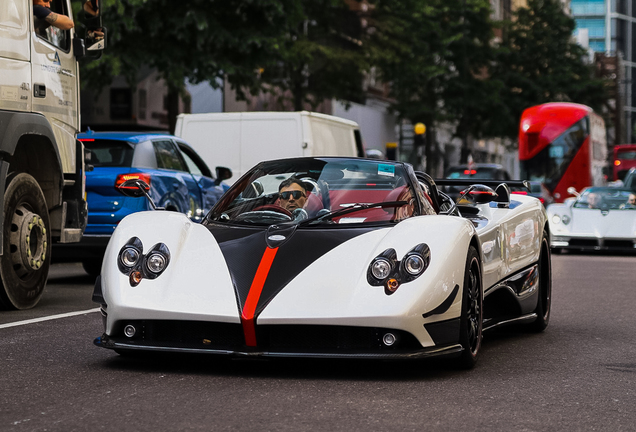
95 30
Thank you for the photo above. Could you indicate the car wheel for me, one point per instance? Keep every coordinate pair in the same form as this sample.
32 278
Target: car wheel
24 266
93 267
471 320
545 288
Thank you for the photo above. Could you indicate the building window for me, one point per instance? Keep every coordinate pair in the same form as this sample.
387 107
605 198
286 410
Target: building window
120 104
143 96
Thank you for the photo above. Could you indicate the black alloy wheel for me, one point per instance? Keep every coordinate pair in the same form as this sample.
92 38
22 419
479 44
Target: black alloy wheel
544 301
471 324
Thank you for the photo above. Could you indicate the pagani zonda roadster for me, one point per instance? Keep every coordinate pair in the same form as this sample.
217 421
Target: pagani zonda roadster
598 219
374 262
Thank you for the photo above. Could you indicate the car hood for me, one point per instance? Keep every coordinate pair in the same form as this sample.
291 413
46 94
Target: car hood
595 223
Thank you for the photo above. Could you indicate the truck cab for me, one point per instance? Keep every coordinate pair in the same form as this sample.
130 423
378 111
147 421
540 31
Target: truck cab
41 161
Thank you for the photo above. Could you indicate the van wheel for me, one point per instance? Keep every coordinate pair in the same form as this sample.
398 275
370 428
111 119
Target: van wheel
24 266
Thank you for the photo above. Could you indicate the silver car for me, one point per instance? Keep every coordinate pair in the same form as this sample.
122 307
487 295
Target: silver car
599 218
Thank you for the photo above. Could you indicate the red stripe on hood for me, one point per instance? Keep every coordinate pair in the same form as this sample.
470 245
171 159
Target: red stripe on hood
247 315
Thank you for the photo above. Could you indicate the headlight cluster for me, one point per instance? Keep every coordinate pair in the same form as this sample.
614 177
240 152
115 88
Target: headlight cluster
386 270
137 266
556 219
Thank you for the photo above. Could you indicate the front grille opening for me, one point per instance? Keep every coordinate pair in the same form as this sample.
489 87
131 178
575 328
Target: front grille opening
196 334
619 244
584 242
325 338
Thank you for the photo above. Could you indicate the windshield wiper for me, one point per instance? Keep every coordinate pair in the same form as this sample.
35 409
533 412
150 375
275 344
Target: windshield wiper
351 209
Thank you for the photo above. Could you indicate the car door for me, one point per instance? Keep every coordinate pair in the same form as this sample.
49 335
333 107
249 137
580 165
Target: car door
211 192
177 188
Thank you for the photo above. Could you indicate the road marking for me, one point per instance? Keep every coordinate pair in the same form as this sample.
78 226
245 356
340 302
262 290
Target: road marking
47 318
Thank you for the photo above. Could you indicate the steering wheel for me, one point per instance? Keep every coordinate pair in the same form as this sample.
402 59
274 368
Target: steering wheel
273 208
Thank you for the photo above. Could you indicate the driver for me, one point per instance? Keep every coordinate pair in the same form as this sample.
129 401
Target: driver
593 200
293 194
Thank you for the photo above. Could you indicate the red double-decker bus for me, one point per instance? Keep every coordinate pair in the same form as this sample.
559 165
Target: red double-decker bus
562 144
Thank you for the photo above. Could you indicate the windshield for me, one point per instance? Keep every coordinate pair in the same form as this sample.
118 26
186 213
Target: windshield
320 191
109 153
607 199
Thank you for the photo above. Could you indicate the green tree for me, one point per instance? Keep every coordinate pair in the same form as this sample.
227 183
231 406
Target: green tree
538 62
321 56
201 40
435 54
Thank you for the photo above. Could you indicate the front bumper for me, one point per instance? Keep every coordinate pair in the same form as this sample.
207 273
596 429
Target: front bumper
303 341
593 244
424 353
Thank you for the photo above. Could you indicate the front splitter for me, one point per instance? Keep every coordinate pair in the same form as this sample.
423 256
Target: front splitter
447 351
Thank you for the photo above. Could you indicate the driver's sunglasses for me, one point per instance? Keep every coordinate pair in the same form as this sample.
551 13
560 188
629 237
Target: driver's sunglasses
296 194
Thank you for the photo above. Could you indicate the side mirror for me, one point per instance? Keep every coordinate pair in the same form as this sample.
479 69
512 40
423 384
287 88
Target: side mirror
222 173
478 194
573 191
134 188
95 39
88 158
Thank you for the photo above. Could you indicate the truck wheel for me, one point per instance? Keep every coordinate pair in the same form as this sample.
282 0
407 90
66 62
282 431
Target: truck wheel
24 266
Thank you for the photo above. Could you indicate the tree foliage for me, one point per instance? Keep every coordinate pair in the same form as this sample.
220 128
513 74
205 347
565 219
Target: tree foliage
538 63
435 53
321 56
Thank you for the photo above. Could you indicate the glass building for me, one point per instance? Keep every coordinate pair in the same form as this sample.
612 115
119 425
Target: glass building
611 29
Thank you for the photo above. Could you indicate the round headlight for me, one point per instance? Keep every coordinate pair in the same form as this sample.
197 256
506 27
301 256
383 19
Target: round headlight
129 257
156 262
380 268
565 219
556 219
414 264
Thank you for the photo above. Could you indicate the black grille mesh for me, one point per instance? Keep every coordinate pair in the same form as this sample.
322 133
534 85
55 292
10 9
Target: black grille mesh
282 338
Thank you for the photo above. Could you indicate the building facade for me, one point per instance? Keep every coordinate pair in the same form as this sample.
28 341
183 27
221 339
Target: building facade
609 28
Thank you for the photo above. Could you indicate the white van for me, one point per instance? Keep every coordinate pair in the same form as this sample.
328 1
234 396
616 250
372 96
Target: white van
240 140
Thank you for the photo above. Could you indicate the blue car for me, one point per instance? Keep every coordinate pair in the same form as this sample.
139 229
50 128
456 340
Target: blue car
179 181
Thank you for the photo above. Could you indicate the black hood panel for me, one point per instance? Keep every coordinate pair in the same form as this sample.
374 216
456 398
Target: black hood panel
243 249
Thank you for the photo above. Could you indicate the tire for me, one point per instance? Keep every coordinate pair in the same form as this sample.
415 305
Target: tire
24 266
93 267
471 321
544 302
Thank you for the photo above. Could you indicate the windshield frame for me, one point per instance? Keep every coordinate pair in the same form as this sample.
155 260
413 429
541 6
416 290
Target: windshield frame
405 170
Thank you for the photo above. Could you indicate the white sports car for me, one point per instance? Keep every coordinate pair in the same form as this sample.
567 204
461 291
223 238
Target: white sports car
372 262
599 218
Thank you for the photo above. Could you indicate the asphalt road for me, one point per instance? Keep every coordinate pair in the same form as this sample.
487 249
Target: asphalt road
579 375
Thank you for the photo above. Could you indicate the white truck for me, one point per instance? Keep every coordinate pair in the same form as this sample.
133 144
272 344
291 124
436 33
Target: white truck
41 161
240 140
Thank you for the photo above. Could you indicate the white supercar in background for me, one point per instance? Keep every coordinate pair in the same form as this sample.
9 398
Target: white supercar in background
377 264
599 218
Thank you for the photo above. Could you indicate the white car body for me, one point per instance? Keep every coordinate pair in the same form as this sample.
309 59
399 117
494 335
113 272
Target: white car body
201 283
580 228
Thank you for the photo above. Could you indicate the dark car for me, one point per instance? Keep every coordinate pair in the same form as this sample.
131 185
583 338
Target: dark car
179 181
475 171
630 179
537 190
